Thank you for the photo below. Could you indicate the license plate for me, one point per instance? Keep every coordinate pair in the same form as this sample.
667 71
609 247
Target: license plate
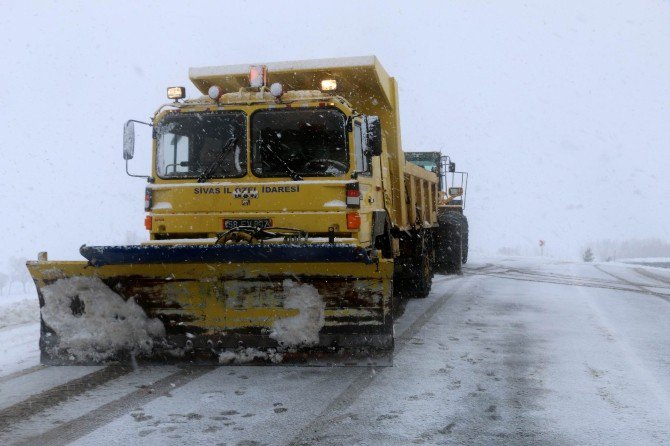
255 222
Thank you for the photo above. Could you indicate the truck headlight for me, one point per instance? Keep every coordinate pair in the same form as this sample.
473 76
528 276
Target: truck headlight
328 85
176 93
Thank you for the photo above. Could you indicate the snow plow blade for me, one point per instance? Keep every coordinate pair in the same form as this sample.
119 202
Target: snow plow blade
229 304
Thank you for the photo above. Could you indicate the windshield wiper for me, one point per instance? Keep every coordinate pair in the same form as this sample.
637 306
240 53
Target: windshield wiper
209 171
292 173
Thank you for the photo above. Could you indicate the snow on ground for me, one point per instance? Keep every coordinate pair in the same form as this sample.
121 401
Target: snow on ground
650 278
85 401
19 348
516 351
658 262
19 332
19 308
249 354
16 389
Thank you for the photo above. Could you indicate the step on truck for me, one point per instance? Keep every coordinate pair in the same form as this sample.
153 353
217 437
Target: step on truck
282 214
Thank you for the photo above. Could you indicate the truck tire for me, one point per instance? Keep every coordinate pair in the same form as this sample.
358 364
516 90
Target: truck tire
464 237
450 243
383 242
414 273
422 276
398 299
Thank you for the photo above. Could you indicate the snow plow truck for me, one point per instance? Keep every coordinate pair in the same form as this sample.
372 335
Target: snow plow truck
453 232
285 224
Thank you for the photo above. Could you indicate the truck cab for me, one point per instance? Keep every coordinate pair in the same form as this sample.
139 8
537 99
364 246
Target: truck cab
260 157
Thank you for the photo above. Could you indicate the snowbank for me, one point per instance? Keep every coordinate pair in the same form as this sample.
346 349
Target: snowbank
657 262
302 329
93 322
18 312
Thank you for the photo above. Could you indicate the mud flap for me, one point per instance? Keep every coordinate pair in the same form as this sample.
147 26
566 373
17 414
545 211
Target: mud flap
205 305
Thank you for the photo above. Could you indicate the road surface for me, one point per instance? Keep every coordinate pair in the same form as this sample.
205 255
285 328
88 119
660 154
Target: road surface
514 351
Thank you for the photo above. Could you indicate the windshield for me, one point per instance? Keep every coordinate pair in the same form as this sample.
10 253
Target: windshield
189 144
299 143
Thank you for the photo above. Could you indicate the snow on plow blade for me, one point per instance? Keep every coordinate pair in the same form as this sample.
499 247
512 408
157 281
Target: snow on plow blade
230 304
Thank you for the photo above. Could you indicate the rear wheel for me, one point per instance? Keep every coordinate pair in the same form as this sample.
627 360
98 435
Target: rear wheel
399 300
450 243
422 276
414 274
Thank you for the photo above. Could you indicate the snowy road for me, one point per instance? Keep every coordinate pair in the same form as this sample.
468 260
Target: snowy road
515 351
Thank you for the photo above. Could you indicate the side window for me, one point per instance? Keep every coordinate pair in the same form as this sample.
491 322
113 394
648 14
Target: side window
361 159
176 153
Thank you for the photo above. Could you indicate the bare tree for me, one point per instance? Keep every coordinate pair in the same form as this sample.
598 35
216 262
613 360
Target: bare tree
4 279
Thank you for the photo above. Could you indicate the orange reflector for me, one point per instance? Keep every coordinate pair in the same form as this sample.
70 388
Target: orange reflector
353 220
147 222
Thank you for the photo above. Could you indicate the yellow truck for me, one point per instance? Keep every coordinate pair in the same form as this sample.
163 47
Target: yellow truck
451 245
282 214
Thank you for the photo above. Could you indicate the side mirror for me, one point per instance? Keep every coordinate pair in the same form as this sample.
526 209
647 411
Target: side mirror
128 140
373 135
129 145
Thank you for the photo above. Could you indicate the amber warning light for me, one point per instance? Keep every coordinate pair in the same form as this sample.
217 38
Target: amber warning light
257 76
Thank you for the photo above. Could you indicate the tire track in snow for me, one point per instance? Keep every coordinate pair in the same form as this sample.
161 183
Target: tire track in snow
56 395
641 288
483 267
649 274
570 278
28 371
627 286
74 429
628 353
306 435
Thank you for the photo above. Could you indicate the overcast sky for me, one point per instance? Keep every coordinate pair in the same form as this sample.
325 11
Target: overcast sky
560 111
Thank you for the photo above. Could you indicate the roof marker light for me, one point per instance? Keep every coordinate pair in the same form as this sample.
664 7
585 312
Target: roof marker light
257 76
215 92
328 85
277 89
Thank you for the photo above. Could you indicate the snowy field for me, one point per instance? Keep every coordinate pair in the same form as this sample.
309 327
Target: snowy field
515 351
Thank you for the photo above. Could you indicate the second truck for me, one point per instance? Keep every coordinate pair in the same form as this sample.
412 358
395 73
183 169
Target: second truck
284 219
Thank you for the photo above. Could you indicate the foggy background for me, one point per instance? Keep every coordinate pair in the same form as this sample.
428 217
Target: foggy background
560 111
